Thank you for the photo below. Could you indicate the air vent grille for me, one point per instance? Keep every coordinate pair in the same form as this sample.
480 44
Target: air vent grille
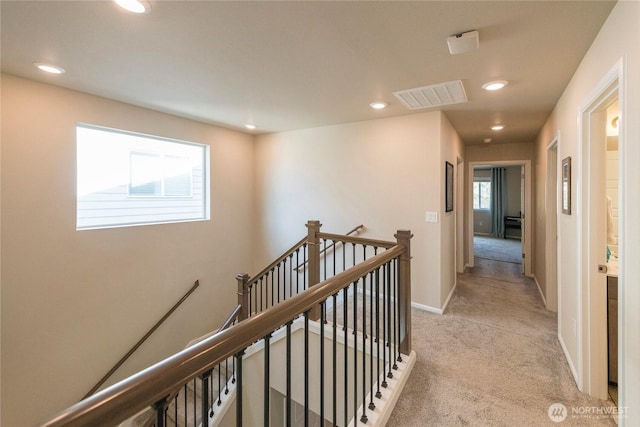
433 96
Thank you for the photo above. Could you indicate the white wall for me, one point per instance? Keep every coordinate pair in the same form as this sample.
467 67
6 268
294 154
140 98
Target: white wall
382 173
73 302
618 39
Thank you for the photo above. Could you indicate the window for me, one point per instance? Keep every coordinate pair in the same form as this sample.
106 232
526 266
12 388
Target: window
481 194
126 179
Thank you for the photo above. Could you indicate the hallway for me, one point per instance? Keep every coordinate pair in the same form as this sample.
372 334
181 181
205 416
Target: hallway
492 359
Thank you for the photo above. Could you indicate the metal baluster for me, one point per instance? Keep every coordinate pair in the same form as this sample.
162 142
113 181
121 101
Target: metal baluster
323 321
396 345
378 393
388 310
205 396
290 275
372 406
346 370
272 293
278 284
261 292
364 417
353 259
239 389
355 351
186 403
304 267
250 293
288 379
267 380
219 384
195 387
226 376
324 258
335 358
160 408
297 275
306 369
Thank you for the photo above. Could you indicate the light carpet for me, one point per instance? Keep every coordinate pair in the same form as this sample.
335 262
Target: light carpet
508 250
493 359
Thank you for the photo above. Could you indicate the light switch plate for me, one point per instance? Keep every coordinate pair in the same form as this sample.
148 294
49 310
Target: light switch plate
432 217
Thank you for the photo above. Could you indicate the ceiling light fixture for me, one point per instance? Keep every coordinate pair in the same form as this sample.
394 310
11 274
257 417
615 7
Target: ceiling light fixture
495 85
378 105
135 6
249 126
487 140
497 127
49 68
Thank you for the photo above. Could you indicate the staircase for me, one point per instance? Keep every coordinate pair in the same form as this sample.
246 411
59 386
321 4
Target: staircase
326 328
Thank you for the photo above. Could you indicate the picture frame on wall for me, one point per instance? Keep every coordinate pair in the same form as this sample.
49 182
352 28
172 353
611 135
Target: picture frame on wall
566 186
448 194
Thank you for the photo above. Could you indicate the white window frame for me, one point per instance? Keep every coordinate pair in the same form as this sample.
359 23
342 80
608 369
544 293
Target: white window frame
480 181
104 179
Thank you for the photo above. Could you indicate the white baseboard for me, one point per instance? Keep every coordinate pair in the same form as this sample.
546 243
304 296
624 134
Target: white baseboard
572 367
424 307
435 310
544 300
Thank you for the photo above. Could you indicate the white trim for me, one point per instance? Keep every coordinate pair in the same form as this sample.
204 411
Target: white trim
544 300
426 308
567 356
528 230
591 309
390 395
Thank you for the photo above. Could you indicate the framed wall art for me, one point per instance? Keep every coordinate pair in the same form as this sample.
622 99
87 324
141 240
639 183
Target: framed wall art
448 194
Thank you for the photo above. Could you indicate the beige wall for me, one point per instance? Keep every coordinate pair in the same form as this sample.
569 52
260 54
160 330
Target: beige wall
618 39
382 173
73 302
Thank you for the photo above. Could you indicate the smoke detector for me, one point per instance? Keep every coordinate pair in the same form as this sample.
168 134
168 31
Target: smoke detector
463 42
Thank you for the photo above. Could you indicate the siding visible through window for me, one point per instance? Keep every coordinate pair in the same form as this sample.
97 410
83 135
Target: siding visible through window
126 179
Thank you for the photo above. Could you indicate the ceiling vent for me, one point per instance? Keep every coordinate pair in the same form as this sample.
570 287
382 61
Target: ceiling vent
433 96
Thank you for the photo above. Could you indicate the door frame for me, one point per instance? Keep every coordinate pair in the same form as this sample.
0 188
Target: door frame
528 209
592 311
552 244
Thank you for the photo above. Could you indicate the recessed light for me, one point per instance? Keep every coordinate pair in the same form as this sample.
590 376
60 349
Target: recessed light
135 6
49 68
378 105
495 85
249 126
487 140
497 127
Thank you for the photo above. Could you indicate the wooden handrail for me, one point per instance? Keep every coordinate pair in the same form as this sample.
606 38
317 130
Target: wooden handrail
278 260
126 398
142 340
339 239
358 240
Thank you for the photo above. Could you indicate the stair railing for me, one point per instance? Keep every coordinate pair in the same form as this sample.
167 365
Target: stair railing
141 341
380 283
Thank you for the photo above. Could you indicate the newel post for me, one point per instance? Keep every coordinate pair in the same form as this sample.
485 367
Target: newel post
313 272
243 295
403 238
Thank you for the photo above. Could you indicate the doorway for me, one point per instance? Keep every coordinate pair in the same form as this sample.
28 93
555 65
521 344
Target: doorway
551 228
599 260
524 231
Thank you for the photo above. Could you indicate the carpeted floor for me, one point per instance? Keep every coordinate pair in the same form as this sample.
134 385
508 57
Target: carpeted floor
508 250
493 358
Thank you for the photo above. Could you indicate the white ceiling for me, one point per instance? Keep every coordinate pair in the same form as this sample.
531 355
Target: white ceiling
292 65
